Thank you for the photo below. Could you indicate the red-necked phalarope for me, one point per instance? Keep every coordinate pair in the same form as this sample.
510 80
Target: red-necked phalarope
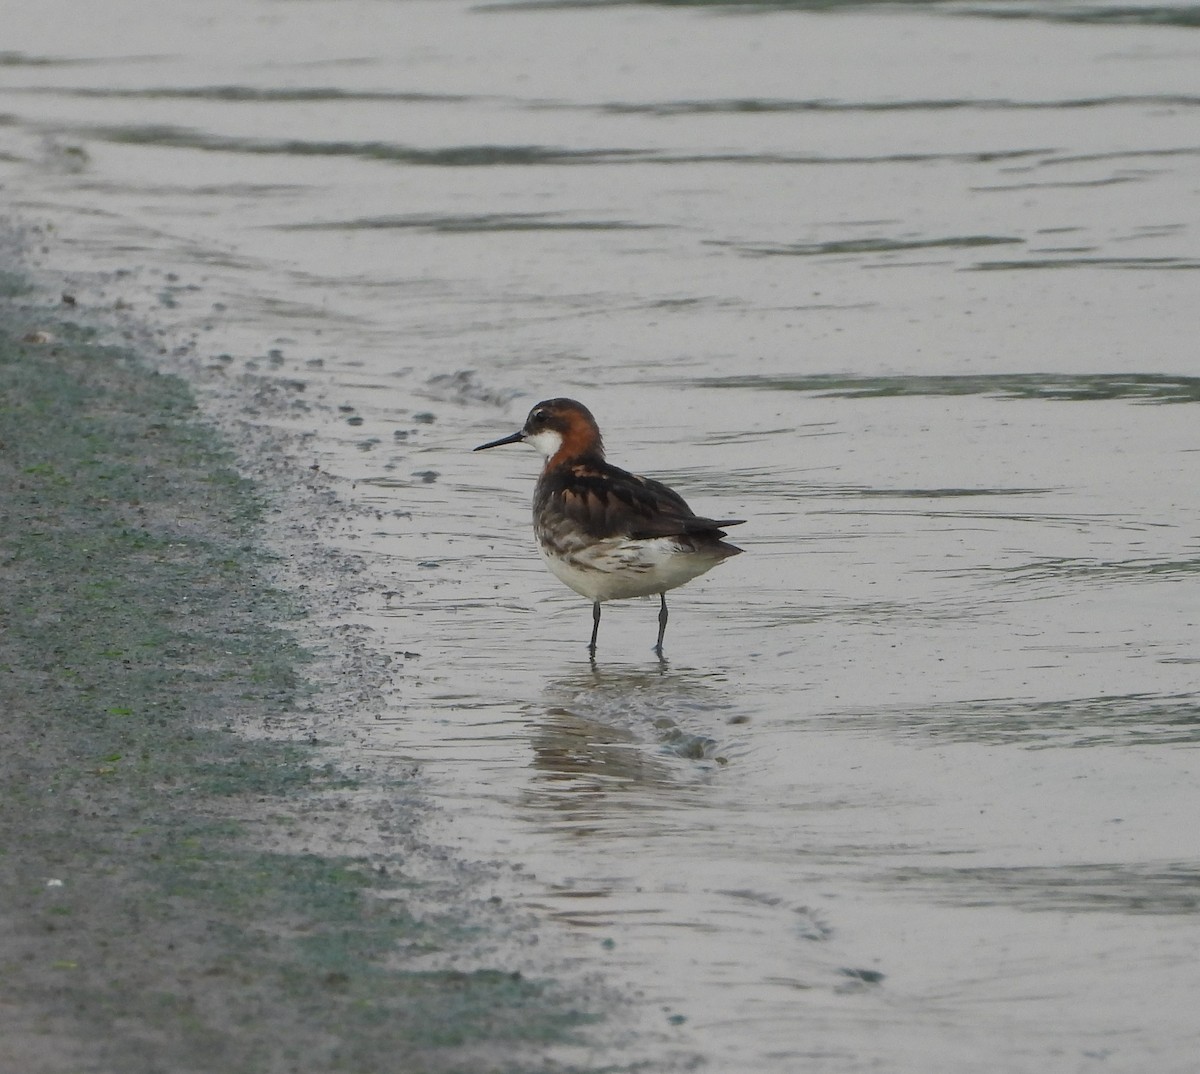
607 533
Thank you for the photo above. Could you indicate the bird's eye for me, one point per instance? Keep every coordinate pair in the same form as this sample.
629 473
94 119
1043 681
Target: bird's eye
538 416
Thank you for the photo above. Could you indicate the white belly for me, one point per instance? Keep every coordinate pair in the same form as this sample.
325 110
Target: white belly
618 568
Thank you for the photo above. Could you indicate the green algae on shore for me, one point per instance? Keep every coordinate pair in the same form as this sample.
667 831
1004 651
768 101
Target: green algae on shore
159 911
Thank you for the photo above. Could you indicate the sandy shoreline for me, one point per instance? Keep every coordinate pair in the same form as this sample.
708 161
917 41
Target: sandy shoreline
198 876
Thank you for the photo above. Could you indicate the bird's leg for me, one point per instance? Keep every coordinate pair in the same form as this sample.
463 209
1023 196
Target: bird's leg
662 623
595 627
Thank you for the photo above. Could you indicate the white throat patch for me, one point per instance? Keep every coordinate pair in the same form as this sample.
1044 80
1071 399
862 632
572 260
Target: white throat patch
547 441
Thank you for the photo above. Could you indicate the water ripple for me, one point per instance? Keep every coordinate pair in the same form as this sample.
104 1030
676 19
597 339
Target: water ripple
470 223
761 105
1149 888
1090 262
1184 15
241 93
492 155
1073 387
1108 720
870 245
1072 570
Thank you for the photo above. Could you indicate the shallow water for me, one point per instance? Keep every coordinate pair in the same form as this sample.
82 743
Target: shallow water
916 789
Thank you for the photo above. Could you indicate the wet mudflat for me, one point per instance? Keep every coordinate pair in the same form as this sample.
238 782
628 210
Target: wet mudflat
909 290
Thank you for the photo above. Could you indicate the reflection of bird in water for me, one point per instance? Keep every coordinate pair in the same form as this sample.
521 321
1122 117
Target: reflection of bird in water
594 757
607 533
605 741
591 773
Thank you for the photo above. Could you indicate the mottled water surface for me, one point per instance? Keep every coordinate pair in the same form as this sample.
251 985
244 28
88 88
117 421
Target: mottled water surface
912 288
